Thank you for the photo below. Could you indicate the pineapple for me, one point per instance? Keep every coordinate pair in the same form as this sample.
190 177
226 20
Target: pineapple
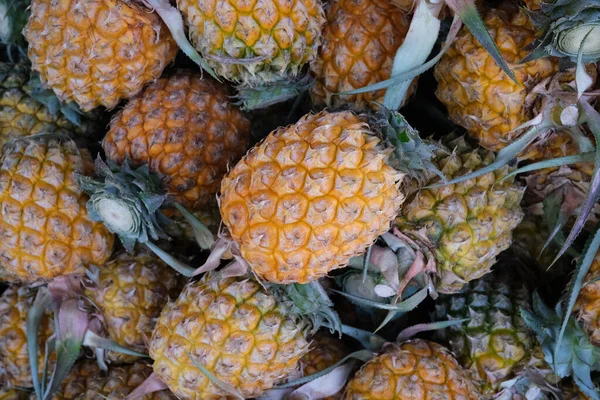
587 308
15 303
13 394
186 130
416 369
495 344
97 52
309 197
83 375
360 40
477 94
241 333
466 225
22 115
45 230
257 42
130 291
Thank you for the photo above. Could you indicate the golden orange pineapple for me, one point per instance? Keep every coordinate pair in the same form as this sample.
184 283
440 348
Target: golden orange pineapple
45 230
416 370
360 39
587 308
130 291
254 42
477 94
97 52
309 197
184 128
15 303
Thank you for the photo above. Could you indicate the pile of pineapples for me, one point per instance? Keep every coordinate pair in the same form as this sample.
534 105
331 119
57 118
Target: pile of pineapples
198 202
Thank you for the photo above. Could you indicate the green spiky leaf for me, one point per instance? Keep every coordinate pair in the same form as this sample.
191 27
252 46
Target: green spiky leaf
253 98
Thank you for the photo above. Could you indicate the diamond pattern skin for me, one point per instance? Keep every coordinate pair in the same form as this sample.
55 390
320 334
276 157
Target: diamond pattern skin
45 230
309 197
360 40
587 308
97 52
234 328
184 128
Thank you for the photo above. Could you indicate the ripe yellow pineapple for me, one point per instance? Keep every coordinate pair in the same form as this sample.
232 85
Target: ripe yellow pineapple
477 94
45 230
254 42
15 303
22 115
417 370
309 197
587 308
130 291
97 52
466 225
185 129
360 39
243 334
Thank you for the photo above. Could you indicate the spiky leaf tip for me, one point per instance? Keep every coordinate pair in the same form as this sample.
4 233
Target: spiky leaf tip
257 97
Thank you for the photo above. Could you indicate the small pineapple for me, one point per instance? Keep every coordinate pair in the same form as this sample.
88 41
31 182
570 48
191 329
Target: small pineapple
257 42
360 40
243 334
416 369
15 303
97 52
45 230
186 129
467 224
477 94
130 291
309 197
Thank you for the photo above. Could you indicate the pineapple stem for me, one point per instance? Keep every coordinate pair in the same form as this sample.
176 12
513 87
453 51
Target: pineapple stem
174 263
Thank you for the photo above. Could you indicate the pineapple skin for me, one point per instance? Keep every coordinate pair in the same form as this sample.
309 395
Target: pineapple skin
131 291
13 394
467 224
416 369
21 115
281 36
477 93
587 307
186 129
97 52
45 230
15 303
309 197
360 40
325 350
234 328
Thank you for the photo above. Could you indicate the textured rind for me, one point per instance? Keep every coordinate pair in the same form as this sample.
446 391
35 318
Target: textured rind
360 39
15 303
131 290
82 376
281 35
235 329
416 369
587 308
309 197
325 350
13 394
467 224
477 94
45 229
97 52
21 115
495 344
186 129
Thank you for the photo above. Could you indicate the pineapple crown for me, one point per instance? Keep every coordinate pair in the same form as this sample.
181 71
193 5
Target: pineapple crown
13 17
569 27
576 356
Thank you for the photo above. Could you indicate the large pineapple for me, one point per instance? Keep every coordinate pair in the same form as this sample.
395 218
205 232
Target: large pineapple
15 303
22 115
360 40
477 94
97 52
184 128
466 225
45 229
587 308
241 333
254 42
309 197
495 344
416 369
130 291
